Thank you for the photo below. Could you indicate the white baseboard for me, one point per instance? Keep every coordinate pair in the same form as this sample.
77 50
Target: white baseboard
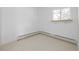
27 35
44 33
60 37
49 34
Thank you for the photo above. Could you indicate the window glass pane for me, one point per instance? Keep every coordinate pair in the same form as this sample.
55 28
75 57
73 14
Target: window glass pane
65 14
56 15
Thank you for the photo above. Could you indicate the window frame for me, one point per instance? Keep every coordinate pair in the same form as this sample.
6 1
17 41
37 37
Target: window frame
61 15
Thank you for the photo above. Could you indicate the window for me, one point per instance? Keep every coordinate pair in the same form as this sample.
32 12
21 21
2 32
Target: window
56 15
61 14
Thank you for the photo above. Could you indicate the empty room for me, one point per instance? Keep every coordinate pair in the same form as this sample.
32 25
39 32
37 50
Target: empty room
39 29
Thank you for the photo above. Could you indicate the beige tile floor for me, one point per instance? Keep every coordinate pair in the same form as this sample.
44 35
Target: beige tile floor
39 42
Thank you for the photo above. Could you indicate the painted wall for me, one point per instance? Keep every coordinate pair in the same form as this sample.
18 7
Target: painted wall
66 29
26 20
78 29
20 21
40 20
0 25
8 24
16 22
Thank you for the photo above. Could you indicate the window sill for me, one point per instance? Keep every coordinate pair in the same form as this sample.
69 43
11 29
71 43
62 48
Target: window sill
60 20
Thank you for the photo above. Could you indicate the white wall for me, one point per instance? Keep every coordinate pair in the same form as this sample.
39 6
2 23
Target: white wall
66 29
26 20
0 25
8 24
16 22
78 29
40 20
20 21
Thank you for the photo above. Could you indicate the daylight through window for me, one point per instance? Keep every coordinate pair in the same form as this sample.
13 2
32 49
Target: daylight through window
61 14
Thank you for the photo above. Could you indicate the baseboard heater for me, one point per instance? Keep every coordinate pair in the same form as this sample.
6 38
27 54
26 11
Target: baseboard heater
48 34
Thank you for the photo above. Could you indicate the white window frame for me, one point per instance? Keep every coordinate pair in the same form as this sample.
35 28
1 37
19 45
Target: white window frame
61 15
